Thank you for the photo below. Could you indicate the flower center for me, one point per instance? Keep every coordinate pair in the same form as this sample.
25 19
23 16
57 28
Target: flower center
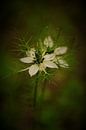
39 57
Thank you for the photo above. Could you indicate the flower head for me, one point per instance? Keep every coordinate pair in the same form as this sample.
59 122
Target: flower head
39 59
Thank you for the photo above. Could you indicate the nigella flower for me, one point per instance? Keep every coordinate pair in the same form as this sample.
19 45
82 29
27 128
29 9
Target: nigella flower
39 59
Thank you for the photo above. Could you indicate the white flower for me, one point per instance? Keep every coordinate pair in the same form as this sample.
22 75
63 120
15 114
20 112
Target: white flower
46 61
40 60
48 42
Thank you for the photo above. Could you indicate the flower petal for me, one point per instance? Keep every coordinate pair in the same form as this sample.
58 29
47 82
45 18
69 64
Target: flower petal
63 63
60 50
49 56
50 64
27 60
33 69
31 52
48 42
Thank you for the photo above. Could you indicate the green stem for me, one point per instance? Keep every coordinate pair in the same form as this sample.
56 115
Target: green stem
43 90
35 92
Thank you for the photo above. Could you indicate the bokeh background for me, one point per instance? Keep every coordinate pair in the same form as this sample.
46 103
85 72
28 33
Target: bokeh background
62 106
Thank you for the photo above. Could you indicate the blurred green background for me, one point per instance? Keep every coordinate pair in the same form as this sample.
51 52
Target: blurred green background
63 103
